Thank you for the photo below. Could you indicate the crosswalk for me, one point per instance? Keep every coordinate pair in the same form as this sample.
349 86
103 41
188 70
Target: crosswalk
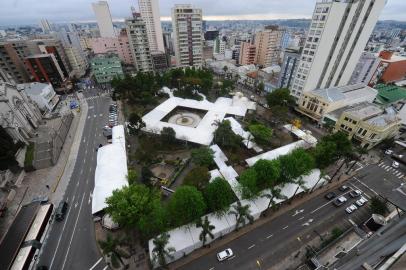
391 170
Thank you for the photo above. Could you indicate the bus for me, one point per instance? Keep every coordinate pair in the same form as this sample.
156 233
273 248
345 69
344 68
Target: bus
25 258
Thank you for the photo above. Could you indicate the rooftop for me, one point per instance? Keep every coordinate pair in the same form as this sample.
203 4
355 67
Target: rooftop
34 88
364 110
345 92
389 93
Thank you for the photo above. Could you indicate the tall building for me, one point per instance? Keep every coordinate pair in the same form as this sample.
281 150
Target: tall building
365 68
335 41
11 60
106 67
247 53
268 46
119 46
138 39
45 68
45 26
188 35
149 10
291 59
103 17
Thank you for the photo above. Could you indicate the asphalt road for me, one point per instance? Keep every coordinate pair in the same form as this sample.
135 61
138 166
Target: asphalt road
283 236
71 243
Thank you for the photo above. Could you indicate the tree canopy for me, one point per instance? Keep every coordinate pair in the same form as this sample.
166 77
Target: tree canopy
299 162
268 172
186 205
261 133
331 148
218 196
203 156
224 135
248 184
168 135
135 123
198 177
280 97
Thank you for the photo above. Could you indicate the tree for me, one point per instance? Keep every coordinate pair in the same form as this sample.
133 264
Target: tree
280 97
294 165
224 135
261 133
203 156
136 206
168 135
268 172
135 123
225 69
260 88
198 177
242 214
218 196
132 177
272 194
378 206
186 205
248 184
206 229
7 150
110 249
161 252
146 176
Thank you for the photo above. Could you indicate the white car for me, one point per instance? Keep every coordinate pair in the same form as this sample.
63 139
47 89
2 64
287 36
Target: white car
395 164
389 152
225 254
361 201
351 208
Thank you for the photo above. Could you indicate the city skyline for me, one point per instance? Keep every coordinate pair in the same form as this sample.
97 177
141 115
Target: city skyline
81 11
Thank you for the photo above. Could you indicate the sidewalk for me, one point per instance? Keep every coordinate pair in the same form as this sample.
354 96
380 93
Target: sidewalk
263 220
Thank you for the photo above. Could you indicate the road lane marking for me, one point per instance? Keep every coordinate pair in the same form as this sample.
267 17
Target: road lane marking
73 233
301 218
251 246
211 268
105 267
269 236
298 212
60 237
362 183
101 114
284 228
94 265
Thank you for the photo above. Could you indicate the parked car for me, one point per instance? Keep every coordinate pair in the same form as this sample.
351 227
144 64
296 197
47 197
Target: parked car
61 211
351 208
355 193
361 201
395 164
344 188
225 254
330 195
389 152
340 201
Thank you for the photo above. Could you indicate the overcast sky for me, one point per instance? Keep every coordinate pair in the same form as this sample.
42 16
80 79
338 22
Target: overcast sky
31 11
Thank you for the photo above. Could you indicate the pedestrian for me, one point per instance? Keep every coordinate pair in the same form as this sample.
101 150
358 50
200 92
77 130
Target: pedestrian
47 186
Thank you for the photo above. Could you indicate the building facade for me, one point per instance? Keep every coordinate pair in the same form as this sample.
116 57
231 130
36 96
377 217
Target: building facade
12 60
159 61
106 67
291 59
119 46
149 10
367 124
104 20
391 68
364 70
138 39
247 54
338 34
44 68
268 46
42 94
188 35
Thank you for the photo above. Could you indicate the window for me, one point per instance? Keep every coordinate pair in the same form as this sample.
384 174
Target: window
365 132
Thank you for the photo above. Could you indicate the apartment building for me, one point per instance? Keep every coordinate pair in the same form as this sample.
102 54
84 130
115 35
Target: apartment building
291 59
149 10
103 17
247 54
268 46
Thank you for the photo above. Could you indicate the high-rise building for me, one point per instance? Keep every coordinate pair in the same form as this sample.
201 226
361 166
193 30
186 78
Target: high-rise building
268 46
159 61
338 33
103 17
149 10
365 68
188 35
291 59
45 68
138 39
119 46
45 26
247 53
11 60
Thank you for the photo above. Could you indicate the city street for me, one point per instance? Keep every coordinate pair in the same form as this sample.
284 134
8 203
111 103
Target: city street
71 244
266 246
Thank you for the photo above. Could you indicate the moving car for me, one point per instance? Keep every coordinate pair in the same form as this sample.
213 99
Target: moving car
351 208
225 254
340 201
395 164
389 152
361 201
330 195
61 211
344 188
355 193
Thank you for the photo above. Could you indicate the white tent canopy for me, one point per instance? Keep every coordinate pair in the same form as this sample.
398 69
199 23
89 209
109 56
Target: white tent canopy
111 170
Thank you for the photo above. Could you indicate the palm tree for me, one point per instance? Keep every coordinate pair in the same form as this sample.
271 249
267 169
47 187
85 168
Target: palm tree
160 251
206 229
300 184
274 193
110 249
322 174
241 213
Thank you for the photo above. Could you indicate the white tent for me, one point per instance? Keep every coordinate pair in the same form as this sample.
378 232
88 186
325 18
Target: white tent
111 170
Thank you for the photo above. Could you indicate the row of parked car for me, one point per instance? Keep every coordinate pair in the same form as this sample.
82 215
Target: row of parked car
340 200
113 115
